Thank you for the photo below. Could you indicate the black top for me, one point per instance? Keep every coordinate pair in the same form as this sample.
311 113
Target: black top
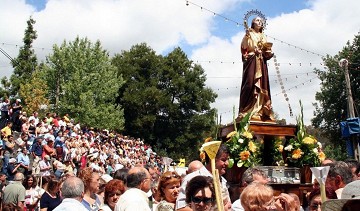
46 201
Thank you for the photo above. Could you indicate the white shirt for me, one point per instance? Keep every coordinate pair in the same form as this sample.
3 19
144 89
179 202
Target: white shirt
133 199
69 204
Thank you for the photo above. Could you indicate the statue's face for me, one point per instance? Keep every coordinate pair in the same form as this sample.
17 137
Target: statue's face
257 23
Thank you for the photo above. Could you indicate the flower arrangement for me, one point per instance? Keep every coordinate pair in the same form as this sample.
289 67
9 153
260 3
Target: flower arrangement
245 150
304 149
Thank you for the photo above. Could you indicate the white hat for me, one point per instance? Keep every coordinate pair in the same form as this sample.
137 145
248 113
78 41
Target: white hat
18 100
338 204
351 190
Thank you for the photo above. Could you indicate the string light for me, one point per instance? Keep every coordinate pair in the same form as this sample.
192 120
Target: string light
237 24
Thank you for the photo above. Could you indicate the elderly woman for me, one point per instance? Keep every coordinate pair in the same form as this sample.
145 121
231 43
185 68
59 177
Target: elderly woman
260 197
113 190
200 193
168 189
91 179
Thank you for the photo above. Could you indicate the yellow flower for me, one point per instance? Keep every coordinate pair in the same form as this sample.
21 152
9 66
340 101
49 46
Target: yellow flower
202 156
244 155
208 139
231 134
247 134
296 154
322 156
281 148
252 146
309 140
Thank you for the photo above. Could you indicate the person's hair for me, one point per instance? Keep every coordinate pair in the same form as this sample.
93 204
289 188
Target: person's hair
255 196
340 168
135 179
330 194
121 174
19 177
352 163
72 187
169 177
53 184
86 175
113 186
351 205
253 24
25 182
198 183
10 207
248 176
223 149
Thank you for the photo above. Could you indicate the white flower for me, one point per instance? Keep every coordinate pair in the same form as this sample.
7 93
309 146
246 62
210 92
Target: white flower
319 144
241 140
315 150
288 147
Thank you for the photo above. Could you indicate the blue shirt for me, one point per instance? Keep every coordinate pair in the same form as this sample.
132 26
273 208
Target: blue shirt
24 159
37 149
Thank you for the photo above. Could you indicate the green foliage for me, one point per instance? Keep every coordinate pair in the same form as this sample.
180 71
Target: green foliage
26 62
337 152
165 100
332 106
34 93
83 83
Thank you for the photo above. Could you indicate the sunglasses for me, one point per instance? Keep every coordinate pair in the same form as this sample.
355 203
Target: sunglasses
205 200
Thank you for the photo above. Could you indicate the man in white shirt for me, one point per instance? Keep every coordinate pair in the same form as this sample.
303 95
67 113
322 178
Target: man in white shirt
135 198
72 191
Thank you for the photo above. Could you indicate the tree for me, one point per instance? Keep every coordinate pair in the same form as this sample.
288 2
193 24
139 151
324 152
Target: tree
34 93
165 100
88 84
26 62
332 106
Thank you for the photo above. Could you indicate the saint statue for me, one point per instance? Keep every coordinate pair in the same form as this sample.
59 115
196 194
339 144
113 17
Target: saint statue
255 88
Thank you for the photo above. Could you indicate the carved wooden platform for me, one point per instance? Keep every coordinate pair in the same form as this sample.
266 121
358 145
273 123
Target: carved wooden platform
267 129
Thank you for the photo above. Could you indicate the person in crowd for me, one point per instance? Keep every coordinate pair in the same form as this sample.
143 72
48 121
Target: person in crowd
72 192
10 207
2 185
168 189
32 193
221 164
91 179
6 131
339 175
24 161
259 197
36 152
12 169
4 107
121 174
20 142
51 198
45 166
314 198
16 111
113 190
194 166
9 150
200 193
59 168
251 175
135 198
15 192
354 166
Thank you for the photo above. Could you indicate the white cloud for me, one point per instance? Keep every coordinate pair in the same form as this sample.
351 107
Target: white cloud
323 28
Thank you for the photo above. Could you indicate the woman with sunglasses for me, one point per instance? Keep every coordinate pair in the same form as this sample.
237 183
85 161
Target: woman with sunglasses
200 193
168 190
113 190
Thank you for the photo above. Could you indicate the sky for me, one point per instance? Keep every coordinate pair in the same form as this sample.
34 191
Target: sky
209 31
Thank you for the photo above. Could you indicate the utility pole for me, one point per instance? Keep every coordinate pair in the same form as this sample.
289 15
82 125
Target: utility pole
343 63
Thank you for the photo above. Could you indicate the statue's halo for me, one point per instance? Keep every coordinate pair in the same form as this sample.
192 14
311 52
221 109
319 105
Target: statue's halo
255 13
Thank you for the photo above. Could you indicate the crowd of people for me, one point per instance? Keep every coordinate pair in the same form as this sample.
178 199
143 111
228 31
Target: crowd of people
53 163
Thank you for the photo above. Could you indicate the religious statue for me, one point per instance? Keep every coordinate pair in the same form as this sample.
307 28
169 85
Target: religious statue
255 88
